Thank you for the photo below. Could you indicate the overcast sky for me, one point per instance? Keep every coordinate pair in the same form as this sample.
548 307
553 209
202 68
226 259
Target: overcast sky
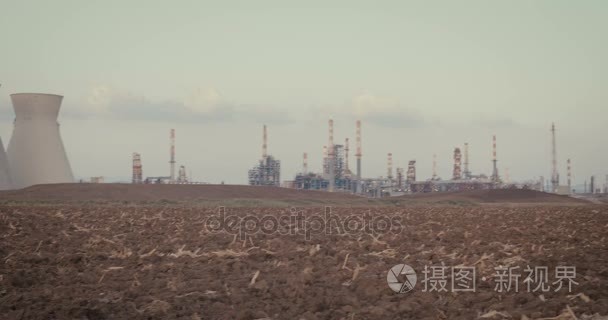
423 76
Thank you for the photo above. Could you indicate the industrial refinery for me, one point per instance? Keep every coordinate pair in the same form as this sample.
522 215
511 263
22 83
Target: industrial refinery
36 155
336 175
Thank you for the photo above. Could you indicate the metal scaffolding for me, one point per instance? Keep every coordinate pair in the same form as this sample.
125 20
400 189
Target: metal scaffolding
411 172
268 170
266 173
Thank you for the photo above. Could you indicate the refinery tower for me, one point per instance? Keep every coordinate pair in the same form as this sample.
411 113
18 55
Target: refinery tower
35 152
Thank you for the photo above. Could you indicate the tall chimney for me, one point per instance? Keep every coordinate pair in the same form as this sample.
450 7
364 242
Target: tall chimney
172 161
346 148
467 173
434 167
358 154
569 177
305 164
265 144
389 166
325 162
330 152
494 177
554 173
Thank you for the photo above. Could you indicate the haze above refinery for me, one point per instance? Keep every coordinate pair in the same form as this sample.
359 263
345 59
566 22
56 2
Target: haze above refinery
217 72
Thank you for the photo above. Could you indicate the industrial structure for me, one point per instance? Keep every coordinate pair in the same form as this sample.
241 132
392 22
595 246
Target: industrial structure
36 136
457 172
399 182
554 172
466 172
358 154
336 176
172 160
5 176
98 179
461 179
35 153
137 169
411 172
336 166
495 178
331 154
6 182
569 176
268 170
181 175
172 178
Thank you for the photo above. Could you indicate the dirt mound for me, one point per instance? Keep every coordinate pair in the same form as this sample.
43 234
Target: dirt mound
154 192
496 196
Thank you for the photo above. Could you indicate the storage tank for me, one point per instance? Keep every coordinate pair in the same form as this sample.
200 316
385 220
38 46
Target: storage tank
35 152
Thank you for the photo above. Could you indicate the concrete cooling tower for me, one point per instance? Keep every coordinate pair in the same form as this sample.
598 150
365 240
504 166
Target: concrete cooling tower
35 152
5 178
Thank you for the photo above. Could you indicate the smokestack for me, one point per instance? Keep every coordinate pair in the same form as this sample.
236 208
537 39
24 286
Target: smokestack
305 163
358 154
35 152
330 150
389 166
467 173
592 185
457 172
325 162
399 174
346 169
495 177
434 167
554 173
172 161
265 145
569 177
137 168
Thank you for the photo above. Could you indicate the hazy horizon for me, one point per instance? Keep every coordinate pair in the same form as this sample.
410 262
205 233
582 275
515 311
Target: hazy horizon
422 76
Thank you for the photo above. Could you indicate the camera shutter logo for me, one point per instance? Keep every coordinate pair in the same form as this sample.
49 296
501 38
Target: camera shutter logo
401 278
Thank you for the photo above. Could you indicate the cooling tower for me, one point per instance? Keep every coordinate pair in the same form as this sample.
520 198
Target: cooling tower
5 178
35 152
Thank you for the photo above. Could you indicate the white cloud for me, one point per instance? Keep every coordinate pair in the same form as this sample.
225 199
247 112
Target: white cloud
203 104
374 109
204 100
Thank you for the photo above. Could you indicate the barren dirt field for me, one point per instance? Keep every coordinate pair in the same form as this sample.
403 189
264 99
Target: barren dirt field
87 262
